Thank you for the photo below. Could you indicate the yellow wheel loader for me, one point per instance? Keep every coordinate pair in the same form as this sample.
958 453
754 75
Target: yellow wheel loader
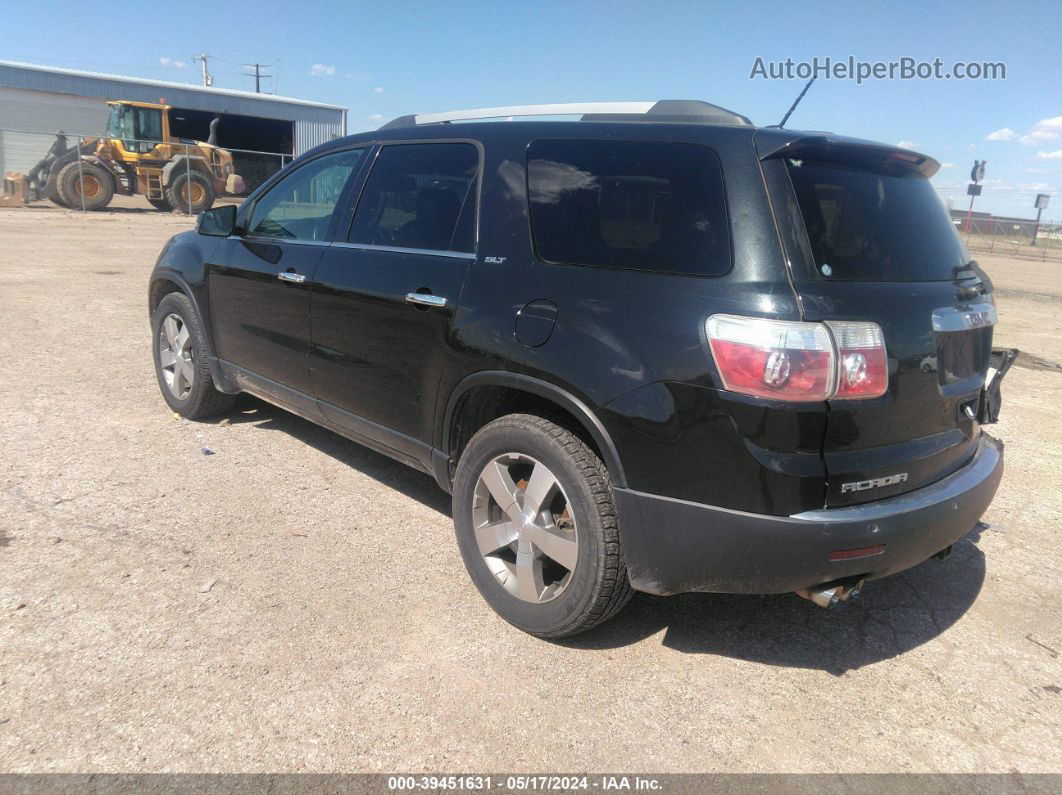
137 155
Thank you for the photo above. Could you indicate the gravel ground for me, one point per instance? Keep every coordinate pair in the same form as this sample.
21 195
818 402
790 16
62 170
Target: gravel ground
295 602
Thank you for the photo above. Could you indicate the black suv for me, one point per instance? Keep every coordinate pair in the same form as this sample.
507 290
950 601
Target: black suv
655 348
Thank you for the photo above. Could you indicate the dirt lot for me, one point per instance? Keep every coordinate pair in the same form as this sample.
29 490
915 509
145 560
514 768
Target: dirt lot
296 602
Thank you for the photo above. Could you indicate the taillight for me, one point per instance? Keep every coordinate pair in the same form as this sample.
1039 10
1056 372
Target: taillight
862 367
780 359
792 360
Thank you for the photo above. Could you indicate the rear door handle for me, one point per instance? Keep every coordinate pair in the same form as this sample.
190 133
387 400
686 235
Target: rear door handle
288 276
425 299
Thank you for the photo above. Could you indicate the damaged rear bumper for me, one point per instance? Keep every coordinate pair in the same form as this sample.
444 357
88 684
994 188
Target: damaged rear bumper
673 546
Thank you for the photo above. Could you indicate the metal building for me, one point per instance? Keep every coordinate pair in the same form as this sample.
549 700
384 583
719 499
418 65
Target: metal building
43 100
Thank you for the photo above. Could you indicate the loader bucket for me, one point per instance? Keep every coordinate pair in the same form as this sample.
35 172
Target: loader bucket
15 191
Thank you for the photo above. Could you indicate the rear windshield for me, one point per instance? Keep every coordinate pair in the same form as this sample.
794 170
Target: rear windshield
870 226
628 204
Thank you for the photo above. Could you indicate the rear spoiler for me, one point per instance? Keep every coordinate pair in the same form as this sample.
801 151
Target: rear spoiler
771 143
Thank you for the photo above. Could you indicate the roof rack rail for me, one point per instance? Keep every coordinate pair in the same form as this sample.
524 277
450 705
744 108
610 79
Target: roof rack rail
664 110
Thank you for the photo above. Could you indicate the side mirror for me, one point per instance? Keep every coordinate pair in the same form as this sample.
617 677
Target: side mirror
217 222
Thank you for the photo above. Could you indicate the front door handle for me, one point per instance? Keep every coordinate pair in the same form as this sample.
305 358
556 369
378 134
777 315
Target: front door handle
288 276
425 299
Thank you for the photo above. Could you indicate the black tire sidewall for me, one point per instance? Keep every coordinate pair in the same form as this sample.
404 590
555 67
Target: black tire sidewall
68 176
180 304
549 618
173 195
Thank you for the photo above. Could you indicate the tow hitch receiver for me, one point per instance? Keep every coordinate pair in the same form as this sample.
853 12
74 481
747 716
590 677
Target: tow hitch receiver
831 593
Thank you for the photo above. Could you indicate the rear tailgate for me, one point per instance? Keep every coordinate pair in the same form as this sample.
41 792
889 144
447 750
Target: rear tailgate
872 242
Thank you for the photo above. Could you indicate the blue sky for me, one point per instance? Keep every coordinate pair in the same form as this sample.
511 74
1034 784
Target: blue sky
385 59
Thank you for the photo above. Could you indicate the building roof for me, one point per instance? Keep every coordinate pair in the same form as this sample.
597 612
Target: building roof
161 84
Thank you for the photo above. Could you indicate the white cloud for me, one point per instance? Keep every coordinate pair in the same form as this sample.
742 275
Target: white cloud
1036 171
379 89
376 117
947 165
1055 155
1043 130
1004 134
905 144
322 69
172 63
1037 186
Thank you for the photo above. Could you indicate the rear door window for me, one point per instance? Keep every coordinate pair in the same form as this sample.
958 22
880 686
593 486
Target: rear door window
419 196
628 204
866 225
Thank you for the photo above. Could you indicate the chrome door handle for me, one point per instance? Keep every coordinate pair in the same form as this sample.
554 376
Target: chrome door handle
425 299
288 276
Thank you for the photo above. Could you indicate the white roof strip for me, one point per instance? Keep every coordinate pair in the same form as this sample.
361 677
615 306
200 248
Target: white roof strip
556 109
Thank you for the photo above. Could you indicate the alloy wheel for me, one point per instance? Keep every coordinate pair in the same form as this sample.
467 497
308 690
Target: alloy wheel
524 527
176 357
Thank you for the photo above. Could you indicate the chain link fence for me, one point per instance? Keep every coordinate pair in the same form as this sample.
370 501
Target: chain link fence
123 173
1011 237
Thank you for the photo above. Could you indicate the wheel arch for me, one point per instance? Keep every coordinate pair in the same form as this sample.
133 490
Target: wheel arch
451 436
198 163
165 282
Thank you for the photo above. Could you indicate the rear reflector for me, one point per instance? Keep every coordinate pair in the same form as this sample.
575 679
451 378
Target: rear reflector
797 361
861 552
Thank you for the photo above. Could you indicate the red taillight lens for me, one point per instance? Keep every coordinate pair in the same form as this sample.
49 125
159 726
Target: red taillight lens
778 359
862 366
789 360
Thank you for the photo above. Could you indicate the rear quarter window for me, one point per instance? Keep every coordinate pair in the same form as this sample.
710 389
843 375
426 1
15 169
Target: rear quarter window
867 225
626 204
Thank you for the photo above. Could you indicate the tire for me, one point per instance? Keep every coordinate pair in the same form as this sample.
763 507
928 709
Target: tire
98 186
558 600
59 202
199 398
202 192
160 204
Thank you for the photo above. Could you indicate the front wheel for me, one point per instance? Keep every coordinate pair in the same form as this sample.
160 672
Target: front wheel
181 360
84 185
190 192
537 528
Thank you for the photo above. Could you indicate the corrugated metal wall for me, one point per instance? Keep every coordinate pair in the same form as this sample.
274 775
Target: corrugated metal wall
310 134
47 91
47 113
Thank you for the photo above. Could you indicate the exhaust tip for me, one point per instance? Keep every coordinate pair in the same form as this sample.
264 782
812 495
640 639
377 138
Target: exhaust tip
831 594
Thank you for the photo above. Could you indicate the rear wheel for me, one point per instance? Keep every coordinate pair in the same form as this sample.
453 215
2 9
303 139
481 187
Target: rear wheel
190 189
536 526
82 184
181 363
160 204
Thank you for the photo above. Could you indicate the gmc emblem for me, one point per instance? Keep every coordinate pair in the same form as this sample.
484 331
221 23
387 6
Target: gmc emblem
873 483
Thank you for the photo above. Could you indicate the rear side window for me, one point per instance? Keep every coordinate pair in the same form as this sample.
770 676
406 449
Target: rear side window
419 196
866 225
628 204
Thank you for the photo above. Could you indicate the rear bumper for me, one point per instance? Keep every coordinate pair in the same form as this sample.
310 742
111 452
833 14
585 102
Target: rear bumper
673 546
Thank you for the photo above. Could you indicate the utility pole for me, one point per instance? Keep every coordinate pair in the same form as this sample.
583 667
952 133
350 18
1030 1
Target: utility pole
258 76
208 79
